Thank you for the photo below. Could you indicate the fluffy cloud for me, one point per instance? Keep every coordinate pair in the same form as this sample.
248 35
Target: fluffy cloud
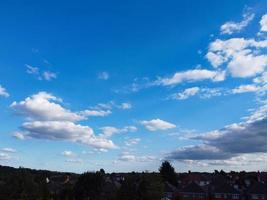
157 124
232 27
44 106
3 92
230 141
263 23
242 57
64 130
191 76
47 119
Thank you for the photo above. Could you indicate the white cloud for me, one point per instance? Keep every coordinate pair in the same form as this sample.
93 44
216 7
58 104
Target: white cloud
19 135
47 119
95 113
233 27
127 157
242 57
216 60
32 70
103 76
4 156
108 131
126 106
157 124
132 141
191 76
245 88
64 130
8 150
49 75
263 23
68 153
35 71
203 93
3 92
74 161
44 106
261 79
186 93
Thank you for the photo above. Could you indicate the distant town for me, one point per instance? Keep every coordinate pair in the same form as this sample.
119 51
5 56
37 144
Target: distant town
166 184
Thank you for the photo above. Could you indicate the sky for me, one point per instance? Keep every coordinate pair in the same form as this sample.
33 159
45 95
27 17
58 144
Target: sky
124 85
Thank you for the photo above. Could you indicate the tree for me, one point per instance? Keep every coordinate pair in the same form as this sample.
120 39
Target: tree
89 185
168 173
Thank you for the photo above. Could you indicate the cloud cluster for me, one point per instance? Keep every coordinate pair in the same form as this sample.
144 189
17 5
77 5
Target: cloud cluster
242 57
247 137
47 119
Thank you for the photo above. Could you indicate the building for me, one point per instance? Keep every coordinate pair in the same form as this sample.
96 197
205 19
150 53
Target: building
224 191
258 191
192 192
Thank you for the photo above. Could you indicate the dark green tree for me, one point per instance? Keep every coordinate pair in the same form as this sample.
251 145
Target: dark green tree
168 173
89 186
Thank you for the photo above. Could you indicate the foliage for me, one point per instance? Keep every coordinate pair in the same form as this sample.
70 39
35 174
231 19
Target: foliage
168 173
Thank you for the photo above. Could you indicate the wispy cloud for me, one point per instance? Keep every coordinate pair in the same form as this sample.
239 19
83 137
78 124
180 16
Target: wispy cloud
235 27
45 75
3 92
157 124
103 75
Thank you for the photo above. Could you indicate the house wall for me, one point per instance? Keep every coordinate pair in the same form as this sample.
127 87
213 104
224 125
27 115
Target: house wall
257 197
225 196
193 196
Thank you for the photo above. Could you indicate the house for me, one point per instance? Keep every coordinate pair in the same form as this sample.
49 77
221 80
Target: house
258 191
224 191
200 179
192 192
169 191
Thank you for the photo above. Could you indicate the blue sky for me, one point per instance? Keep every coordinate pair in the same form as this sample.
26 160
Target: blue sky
123 85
